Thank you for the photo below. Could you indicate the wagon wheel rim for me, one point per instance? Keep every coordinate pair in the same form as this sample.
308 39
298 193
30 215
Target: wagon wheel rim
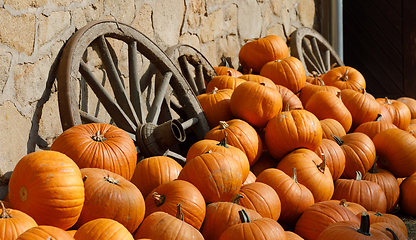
195 67
313 50
169 105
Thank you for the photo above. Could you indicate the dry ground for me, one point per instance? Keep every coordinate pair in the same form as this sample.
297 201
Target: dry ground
410 223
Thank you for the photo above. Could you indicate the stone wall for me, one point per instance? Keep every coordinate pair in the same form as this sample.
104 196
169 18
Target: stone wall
33 33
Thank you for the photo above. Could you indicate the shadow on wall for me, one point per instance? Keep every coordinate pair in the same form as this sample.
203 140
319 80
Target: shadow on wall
34 138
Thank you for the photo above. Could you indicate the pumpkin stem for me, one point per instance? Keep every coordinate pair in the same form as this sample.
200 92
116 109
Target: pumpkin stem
5 213
229 73
321 167
345 76
179 213
395 237
387 101
84 178
250 71
287 106
223 142
223 125
98 137
111 180
315 74
337 139
379 117
363 89
343 203
295 175
236 198
263 83
373 168
358 176
214 91
365 224
333 65
243 216
158 198
378 214
321 82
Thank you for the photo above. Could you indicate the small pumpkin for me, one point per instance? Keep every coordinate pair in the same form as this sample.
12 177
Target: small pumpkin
411 103
224 70
103 229
43 232
371 128
223 82
216 105
344 77
331 127
14 222
399 111
334 156
289 99
408 196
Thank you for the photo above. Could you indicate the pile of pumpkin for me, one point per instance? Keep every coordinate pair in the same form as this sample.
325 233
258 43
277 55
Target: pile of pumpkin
288 156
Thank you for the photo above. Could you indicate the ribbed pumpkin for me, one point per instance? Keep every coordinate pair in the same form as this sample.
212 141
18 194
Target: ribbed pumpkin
293 236
366 193
407 195
288 72
344 77
253 55
331 127
362 108
216 105
396 151
153 171
321 215
359 151
311 172
103 229
255 103
223 82
290 130
399 112
309 89
109 195
411 103
259 229
294 196
376 217
99 145
222 215
352 206
258 79
47 185
161 225
392 231
218 176
352 230
325 104
14 222
334 156
388 182
205 145
371 128
166 197
240 134
261 198
250 179
44 232
289 99
223 70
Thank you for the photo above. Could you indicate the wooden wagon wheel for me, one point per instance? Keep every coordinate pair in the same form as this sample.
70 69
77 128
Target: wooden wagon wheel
110 72
194 66
313 50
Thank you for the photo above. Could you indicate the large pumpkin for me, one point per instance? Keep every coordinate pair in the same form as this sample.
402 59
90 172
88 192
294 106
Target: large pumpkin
371 128
47 185
216 105
411 103
309 89
103 229
255 103
44 232
154 171
240 134
288 72
218 176
289 99
407 195
344 77
311 172
396 150
166 197
334 156
290 130
294 196
109 195
99 145
253 55
399 111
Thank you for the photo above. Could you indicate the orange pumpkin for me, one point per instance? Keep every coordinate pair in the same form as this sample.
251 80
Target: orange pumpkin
344 77
334 156
223 70
255 103
14 222
47 185
331 127
99 145
411 103
399 112
309 89
288 72
224 82
109 195
289 99
103 229
43 232
371 128
254 54
216 105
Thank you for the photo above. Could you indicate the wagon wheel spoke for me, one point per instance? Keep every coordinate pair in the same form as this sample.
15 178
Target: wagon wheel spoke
118 115
179 158
135 89
317 53
186 71
309 52
115 81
